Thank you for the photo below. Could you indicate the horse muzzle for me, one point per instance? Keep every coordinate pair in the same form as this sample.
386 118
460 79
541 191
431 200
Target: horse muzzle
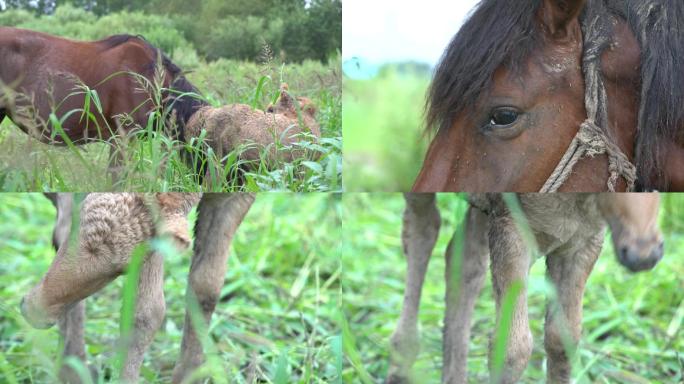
34 315
640 257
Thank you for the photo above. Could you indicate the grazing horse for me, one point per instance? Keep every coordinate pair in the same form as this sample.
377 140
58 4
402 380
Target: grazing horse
93 90
111 226
559 95
568 229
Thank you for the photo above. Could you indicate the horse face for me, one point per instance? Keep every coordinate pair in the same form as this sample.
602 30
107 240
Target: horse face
517 133
633 219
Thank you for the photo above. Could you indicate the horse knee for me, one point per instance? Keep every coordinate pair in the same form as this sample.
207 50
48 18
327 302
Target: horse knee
150 315
518 355
207 291
521 350
556 344
404 345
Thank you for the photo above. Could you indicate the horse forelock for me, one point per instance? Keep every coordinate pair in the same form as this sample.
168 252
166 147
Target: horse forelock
498 32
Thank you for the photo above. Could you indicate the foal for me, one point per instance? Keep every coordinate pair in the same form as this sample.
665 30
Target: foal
111 226
230 126
568 228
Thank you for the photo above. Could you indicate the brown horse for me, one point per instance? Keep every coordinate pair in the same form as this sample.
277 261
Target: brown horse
568 229
559 95
93 90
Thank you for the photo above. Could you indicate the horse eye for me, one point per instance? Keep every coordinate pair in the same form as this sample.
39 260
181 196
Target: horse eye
504 116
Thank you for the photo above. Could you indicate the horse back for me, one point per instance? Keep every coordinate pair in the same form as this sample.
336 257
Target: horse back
50 73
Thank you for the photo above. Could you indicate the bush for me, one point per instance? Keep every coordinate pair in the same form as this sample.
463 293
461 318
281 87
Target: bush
232 30
15 17
77 23
241 38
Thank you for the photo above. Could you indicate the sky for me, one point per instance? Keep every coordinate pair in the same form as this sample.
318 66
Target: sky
380 31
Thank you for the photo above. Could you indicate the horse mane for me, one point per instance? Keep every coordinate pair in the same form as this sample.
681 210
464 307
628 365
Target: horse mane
498 32
180 96
657 25
116 40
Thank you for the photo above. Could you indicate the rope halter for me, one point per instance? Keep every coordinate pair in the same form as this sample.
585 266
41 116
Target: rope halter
591 140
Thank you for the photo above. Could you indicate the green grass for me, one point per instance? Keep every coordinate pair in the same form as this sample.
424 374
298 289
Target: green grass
277 321
632 326
384 145
153 161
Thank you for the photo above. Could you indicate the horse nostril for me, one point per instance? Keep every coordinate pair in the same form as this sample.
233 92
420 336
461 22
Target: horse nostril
623 254
658 253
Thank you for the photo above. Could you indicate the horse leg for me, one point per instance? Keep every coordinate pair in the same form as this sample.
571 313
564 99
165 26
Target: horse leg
111 226
71 324
510 263
563 327
149 315
218 218
117 160
463 286
421 223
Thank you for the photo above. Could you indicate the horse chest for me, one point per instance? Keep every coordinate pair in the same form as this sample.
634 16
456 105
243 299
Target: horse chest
560 221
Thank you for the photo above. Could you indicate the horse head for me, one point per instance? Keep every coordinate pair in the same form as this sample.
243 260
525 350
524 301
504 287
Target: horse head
533 90
633 220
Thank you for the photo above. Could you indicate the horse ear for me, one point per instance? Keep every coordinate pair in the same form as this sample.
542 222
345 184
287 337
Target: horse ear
285 99
560 17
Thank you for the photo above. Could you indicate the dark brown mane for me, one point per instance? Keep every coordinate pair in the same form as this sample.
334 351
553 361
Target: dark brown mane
182 97
116 40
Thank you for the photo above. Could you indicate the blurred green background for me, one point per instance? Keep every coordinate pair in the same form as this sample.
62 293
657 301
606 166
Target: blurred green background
295 30
632 325
275 322
382 123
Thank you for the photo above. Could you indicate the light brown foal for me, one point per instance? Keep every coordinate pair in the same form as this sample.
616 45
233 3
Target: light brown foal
569 230
111 227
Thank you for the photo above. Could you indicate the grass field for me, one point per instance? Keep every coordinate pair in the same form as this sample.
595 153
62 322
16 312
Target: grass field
384 145
276 322
632 326
154 163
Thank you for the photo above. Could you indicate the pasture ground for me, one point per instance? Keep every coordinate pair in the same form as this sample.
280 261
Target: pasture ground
632 326
276 321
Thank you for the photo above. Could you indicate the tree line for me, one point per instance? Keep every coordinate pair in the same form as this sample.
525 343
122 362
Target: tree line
289 30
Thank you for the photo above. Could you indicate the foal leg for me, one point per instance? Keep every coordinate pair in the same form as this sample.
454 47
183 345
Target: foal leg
419 233
71 324
150 306
218 218
149 315
569 273
461 292
117 160
510 264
